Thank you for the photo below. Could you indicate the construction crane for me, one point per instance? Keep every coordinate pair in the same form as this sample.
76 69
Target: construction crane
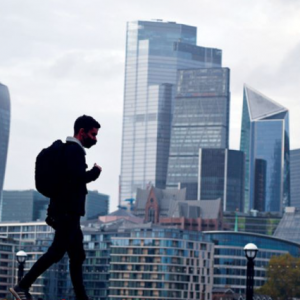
130 200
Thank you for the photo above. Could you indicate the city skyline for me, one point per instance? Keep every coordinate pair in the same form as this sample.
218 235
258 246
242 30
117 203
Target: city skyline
155 51
54 56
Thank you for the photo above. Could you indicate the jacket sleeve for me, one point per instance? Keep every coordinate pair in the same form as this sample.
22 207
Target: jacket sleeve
92 174
76 166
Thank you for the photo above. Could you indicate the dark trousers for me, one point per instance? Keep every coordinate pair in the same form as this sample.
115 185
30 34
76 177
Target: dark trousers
68 238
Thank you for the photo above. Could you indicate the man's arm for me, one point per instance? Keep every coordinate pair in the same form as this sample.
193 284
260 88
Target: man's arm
76 166
92 174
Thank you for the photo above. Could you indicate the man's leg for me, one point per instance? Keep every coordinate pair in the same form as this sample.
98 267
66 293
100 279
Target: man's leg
77 256
54 254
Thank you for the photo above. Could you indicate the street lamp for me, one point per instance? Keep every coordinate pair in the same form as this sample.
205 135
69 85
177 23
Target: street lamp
250 253
21 258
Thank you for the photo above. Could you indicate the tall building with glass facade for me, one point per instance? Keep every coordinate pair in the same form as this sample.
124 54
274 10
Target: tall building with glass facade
265 142
221 175
295 177
4 134
155 50
201 120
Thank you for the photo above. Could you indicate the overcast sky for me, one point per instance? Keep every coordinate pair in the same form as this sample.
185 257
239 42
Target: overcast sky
61 59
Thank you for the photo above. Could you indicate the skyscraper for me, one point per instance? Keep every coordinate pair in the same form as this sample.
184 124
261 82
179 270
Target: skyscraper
4 134
265 142
155 50
221 175
201 120
295 178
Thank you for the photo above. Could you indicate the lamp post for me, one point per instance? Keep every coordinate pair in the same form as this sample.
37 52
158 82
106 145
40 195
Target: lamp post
250 253
21 258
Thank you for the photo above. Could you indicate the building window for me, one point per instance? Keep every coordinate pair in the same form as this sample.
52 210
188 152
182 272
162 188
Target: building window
151 215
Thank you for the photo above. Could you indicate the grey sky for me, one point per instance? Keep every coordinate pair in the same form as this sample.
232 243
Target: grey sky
62 58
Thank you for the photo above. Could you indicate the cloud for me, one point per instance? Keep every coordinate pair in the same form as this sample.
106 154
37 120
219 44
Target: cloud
91 65
62 59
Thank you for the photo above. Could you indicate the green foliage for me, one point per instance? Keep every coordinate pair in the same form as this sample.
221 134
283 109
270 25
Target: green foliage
283 278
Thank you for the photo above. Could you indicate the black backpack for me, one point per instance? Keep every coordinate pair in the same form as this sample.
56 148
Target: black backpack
49 169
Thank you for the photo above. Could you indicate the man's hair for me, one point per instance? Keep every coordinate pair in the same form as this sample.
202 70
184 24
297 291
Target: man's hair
85 122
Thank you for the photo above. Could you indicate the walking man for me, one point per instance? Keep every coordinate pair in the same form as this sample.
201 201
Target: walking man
65 210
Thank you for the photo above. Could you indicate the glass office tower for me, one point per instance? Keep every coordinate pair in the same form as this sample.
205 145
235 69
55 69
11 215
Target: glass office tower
265 142
4 134
201 120
155 50
221 175
295 178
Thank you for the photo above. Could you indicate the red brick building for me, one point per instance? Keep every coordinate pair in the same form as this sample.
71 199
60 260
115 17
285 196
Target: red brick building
169 208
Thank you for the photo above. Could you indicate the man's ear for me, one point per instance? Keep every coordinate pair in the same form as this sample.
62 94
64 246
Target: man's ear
81 131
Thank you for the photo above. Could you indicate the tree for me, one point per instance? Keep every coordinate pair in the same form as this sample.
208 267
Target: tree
283 278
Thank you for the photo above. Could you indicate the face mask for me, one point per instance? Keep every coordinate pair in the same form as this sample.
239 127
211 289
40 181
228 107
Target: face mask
88 143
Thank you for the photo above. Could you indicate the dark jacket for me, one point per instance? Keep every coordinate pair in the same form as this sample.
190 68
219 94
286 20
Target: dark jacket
71 199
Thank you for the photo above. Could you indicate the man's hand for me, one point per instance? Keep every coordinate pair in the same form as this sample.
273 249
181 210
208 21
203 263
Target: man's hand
95 165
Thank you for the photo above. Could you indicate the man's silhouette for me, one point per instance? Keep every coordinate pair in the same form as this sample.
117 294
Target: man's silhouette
65 210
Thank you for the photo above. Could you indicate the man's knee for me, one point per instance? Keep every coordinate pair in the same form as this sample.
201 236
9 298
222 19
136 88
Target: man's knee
56 254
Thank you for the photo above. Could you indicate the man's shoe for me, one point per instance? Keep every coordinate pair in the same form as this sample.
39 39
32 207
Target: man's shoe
20 294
